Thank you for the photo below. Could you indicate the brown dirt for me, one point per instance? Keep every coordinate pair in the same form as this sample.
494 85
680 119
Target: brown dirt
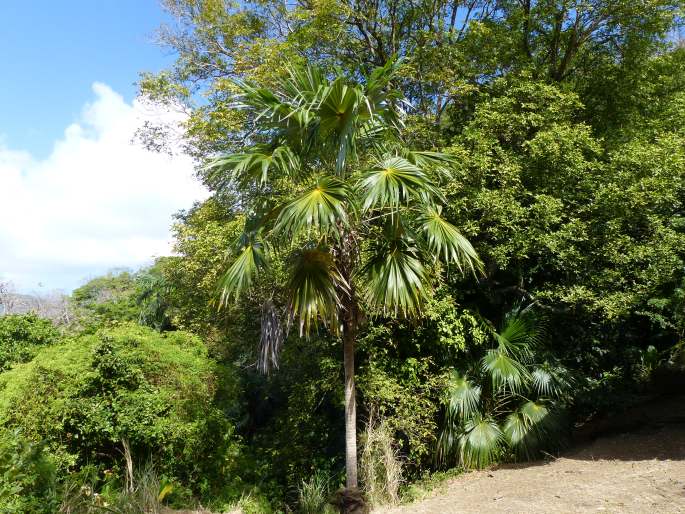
638 472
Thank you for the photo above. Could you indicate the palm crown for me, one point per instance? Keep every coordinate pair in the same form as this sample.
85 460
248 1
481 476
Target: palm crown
328 179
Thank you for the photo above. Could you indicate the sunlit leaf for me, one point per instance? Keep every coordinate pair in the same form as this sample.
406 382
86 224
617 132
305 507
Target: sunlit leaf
254 167
322 208
392 182
480 443
242 272
505 371
395 280
447 243
463 397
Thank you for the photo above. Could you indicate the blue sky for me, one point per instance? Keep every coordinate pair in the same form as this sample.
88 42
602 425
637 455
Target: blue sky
51 52
78 197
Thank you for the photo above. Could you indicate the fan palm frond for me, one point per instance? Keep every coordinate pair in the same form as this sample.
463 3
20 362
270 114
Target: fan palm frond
463 397
392 182
551 381
531 428
253 167
480 442
322 208
395 279
338 113
313 288
447 243
440 163
241 274
505 371
521 332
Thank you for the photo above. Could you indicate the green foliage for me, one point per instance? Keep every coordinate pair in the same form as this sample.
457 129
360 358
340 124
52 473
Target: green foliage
106 299
511 404
314 495
90 397
22 336
550 136
27 476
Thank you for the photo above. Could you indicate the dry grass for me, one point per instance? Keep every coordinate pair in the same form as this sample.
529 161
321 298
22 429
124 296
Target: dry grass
380 464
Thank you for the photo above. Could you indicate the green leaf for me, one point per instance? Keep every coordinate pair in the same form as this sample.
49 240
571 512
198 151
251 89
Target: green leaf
530 428
504 370
322 208
463 397
241 273
254 167
392 182
480 442
395 279
447 243
313 289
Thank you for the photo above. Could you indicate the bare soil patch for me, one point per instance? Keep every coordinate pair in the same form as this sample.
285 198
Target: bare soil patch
638 472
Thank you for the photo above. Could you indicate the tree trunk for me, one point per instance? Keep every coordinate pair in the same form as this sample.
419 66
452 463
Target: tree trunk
349 336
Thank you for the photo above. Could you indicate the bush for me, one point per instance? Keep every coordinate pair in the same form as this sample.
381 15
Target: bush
27 476
92 396
21 336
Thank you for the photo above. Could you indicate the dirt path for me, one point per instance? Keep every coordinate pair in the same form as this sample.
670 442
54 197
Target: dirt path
643 471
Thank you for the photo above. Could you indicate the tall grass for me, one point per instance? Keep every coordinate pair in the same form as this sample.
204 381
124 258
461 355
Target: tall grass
380 464
143 494
314 494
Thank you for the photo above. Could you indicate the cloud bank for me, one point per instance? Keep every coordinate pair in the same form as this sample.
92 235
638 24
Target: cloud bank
98 201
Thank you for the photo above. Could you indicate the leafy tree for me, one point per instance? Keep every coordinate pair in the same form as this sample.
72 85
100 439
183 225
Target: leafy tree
330 183
105 299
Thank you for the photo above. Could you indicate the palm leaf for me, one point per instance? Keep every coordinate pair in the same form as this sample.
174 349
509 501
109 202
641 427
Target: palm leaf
463 397
504 371
446 242
313 289
242 272
481 442
531 428
439 163
551 381
521 331
338 113
254 167
392 182
395 279
322 208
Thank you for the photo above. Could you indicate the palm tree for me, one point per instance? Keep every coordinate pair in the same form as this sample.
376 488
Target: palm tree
327 184
508 401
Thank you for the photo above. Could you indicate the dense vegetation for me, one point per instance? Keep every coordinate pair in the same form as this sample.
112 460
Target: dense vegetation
344 144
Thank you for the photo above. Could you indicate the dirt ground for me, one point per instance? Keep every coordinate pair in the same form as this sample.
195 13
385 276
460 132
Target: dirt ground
642 471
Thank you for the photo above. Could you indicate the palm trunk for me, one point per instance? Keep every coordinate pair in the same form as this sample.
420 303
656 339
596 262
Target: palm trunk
349 336
345 257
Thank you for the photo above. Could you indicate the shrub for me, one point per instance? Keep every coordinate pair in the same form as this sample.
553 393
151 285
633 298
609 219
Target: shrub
21 336
508 404
27 476
91 396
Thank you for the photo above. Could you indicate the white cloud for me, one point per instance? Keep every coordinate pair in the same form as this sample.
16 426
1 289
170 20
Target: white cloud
97 201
